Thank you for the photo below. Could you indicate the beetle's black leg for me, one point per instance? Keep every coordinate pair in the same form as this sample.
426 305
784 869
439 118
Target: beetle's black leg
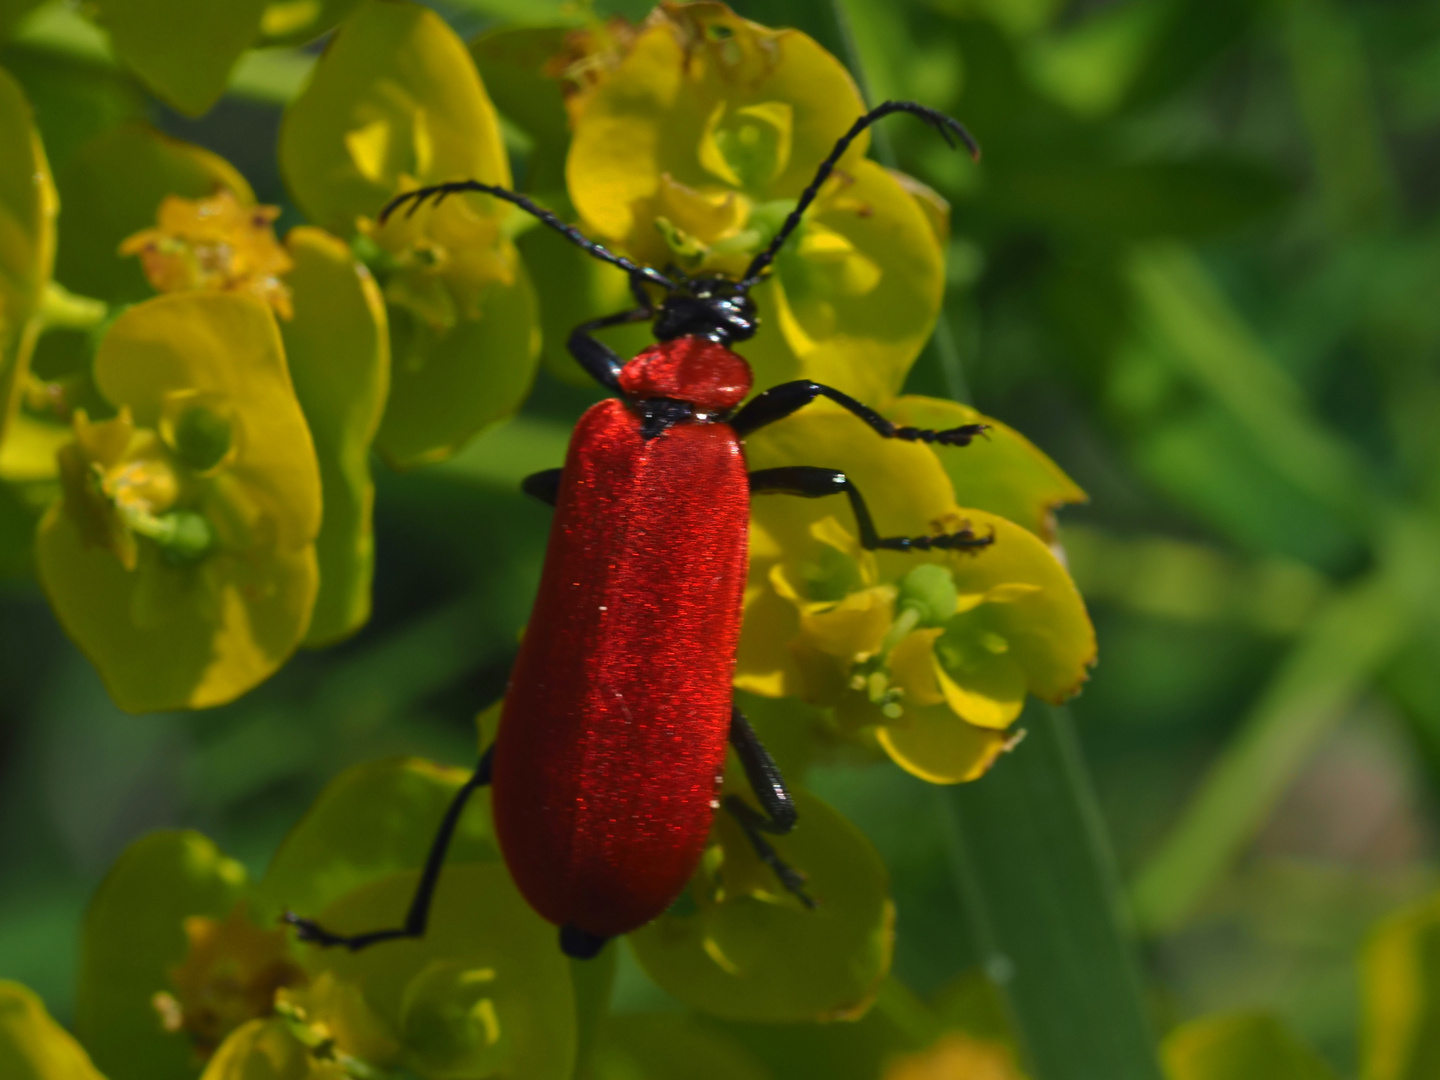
763 774
780 401
602 362
811 483
419 914
779 814
543 485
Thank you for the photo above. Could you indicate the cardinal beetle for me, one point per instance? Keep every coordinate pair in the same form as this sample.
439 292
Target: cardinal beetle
606 771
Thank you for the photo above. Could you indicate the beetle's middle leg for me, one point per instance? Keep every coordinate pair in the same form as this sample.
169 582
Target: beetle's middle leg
811 483
418 916
781 401
778 816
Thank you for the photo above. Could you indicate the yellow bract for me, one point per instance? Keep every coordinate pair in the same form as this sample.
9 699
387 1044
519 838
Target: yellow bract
695 146
1002 471
338 350
32 1045
216 244
748 950
28 206
395 95
212 606
937 650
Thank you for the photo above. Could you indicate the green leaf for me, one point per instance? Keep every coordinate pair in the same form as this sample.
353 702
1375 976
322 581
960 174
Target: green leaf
112 188
371 821
1241 1046
1186 321
338 349
1033 868
394 94
133 935
1400 973
27 241
35 1047
749 951
486 992
1346 643
182 51
12 11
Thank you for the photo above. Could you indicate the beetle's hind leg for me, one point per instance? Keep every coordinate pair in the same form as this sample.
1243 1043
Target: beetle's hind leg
811 483
418 915
779 814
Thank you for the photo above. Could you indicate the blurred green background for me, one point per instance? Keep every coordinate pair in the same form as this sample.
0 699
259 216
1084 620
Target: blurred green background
1199 266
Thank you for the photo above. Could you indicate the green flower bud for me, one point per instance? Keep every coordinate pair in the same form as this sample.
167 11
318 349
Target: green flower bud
930 590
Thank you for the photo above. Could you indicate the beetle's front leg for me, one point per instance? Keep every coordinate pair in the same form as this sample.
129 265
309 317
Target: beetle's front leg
418 916
779 814
601 362
781 401
811 483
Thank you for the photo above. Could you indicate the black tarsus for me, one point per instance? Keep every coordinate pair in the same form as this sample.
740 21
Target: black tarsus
440 192
418 915
543 485
810 482
939 121
781 401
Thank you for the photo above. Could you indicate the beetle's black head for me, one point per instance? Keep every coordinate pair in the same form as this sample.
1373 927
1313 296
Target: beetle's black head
714 307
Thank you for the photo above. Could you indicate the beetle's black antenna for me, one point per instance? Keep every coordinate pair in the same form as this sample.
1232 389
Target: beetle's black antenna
440 192
938 120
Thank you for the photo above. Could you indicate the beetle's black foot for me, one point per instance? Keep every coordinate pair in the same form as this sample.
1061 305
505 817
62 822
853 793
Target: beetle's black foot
962 540
963 435
580 944
754 823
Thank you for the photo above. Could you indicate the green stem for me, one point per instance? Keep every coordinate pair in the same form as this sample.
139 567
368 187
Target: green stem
60 309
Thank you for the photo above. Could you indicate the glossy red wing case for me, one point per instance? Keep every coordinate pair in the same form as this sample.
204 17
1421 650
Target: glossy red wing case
612 740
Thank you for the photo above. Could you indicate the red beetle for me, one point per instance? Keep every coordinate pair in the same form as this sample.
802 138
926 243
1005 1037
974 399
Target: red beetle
607 767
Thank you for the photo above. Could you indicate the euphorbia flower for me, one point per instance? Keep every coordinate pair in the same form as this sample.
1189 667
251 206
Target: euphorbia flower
215 244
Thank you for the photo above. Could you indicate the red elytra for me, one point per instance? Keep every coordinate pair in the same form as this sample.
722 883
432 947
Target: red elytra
605 777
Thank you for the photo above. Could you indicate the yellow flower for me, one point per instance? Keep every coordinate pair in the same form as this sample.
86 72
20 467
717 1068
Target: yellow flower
957 1057
934 651
182 556
217 244
229 976
696 144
